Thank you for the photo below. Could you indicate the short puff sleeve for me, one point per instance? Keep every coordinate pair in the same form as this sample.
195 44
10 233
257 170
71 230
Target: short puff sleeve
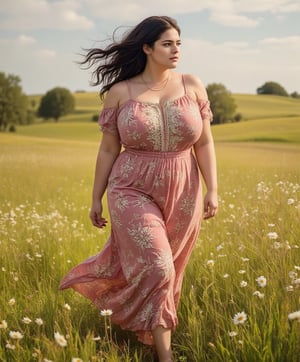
108 120
205 111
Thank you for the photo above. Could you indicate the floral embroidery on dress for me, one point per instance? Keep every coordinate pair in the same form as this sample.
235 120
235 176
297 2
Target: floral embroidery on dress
152 117
164 263
121 202
141 235
187 205
141 201
127 167
174 132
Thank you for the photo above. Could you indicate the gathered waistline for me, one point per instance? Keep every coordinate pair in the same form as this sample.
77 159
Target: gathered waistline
159 154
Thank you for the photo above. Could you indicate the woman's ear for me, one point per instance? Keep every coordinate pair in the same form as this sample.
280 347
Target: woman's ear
147 49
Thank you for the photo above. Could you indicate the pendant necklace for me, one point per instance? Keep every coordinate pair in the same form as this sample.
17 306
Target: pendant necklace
158 88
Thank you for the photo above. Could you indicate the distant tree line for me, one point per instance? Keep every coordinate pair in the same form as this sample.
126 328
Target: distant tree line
15 108
276 89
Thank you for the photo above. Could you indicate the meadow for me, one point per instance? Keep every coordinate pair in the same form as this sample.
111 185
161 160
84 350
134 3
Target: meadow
241 291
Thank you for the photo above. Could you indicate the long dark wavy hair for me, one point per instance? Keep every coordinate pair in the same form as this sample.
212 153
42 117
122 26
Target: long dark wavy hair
125 59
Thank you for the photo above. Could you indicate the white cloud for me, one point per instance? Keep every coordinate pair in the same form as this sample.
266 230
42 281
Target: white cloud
78 14
46 53
25 40
288 41
131 10
234 20
32 14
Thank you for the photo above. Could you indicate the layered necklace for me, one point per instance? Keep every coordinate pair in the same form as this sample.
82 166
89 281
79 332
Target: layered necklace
160 86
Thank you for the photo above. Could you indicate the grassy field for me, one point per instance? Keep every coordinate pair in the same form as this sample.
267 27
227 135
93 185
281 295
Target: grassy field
246 260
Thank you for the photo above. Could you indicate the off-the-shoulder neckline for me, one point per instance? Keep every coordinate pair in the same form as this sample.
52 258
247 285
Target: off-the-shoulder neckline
156 104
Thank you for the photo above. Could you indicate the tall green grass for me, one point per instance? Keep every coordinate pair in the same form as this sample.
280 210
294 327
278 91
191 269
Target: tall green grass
46 180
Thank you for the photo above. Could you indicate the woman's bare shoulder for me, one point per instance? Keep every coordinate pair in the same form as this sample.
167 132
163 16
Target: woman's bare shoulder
115 95
195 84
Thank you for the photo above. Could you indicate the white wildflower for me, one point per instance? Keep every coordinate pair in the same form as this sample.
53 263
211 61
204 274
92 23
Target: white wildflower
67 307
259 294
26 320
3 324
15 335
10 346
210 263
60 339
243 284
261 281
106 312
273 235
12 301
39 321
294 315
239 318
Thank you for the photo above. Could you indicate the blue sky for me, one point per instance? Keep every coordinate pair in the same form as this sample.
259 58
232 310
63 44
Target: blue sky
239 43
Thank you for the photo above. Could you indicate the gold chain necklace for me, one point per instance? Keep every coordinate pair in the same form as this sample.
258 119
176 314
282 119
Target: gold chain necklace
156 89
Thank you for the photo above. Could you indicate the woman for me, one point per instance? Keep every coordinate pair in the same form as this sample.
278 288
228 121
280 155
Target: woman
162 121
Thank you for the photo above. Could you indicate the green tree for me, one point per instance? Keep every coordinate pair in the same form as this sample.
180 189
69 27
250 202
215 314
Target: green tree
295 95
13 102
56 103
272 88
222 103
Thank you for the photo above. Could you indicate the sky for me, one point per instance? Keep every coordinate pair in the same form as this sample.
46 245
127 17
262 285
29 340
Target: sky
239 43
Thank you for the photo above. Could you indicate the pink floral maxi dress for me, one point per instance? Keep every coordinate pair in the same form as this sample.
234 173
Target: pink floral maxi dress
154 198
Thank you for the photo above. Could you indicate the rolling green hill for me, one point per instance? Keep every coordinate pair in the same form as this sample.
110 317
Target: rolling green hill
266 106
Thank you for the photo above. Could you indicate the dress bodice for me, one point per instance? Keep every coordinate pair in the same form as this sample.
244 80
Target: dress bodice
173 126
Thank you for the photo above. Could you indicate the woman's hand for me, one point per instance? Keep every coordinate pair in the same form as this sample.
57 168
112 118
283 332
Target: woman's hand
96 215
210 204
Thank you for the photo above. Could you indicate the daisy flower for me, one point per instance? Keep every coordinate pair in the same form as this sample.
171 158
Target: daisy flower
12 301
26 320
210 263
294 315
258 294
106 312
243 284
15 335
60 339
67 306
261 281
273 235
39 321
10 346
239 318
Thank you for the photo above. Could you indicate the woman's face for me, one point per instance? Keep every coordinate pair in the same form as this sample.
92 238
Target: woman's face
165 51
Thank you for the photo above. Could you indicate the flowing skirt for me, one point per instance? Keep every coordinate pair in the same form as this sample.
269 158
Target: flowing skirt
155 209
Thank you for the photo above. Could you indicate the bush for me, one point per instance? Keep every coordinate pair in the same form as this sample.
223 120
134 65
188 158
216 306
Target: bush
272 88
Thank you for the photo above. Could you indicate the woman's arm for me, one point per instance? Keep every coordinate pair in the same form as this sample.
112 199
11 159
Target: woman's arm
205 153
109 150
